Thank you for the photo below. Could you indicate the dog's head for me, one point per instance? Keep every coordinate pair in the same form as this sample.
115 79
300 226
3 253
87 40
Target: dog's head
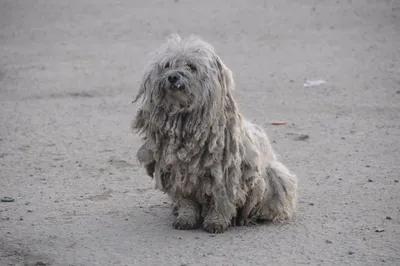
185 74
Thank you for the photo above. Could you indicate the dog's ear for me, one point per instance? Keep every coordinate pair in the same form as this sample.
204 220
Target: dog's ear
224 75
227 85
143 86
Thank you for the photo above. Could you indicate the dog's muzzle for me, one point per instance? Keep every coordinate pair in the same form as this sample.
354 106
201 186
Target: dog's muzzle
175 81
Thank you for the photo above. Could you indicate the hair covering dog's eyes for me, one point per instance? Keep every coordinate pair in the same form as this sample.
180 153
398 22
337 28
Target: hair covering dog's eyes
192 67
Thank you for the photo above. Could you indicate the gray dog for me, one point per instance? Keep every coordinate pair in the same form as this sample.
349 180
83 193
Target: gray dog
218 168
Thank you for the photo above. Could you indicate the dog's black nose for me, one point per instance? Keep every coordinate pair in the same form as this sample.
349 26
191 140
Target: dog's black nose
173 78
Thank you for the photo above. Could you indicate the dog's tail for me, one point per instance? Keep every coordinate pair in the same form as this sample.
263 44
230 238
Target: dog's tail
281 197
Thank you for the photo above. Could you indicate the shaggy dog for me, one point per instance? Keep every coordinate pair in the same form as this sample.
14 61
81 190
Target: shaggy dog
218 168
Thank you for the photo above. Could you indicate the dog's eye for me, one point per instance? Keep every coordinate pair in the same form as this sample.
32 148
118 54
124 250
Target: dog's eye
192 67
167 65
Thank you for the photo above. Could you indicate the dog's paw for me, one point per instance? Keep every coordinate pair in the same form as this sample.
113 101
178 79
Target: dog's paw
185 223
187 215
214 228
215 222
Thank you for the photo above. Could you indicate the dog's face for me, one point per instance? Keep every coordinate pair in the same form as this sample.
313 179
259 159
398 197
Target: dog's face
184 75
179 77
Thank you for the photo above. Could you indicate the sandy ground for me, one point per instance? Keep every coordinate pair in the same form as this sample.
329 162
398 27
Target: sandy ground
69 71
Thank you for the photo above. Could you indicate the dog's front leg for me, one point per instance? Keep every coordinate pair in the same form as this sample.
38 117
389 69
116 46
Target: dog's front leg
145 157
187 214
218 215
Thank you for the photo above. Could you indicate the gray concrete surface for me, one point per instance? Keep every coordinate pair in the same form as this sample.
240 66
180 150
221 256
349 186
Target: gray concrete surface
69 71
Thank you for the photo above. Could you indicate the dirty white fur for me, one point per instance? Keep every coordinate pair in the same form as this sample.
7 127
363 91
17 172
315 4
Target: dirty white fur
218 168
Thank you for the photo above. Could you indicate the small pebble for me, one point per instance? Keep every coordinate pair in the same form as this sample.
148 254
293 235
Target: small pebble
396 181
21 219
311 204
367 166
388 218
29 211
6 199
302 137
370 180
380 230
351 252
328 241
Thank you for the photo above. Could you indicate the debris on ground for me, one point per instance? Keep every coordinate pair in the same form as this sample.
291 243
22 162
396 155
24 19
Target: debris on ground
278 123
310 83
6 199
302 137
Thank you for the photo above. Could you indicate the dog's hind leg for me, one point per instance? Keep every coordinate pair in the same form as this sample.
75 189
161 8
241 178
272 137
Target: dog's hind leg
187 215
280 199
253 201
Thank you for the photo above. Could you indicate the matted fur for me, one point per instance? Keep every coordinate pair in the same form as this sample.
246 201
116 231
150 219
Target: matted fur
218 168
